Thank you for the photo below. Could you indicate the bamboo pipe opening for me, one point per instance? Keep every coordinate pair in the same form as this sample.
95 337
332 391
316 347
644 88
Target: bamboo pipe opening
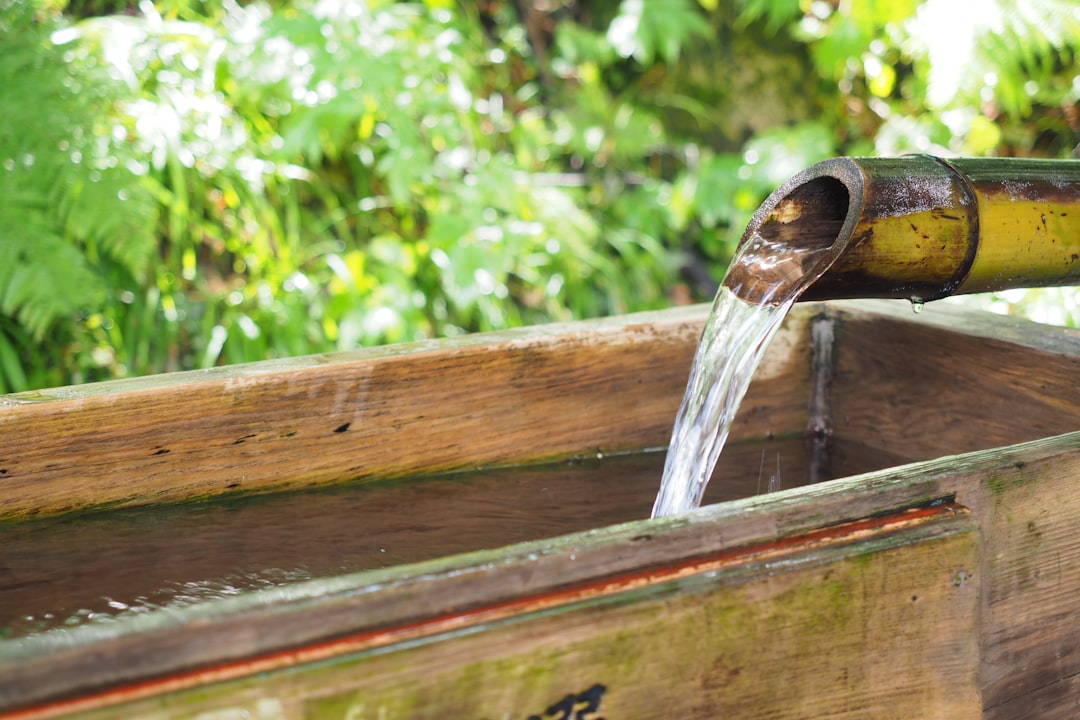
809 218
797 233
860 227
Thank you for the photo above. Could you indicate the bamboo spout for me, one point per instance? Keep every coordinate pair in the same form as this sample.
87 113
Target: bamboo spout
918 227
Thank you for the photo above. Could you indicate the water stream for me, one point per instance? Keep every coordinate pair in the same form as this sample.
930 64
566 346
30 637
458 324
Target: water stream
775 273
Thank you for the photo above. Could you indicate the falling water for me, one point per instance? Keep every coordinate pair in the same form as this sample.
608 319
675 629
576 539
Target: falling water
732 345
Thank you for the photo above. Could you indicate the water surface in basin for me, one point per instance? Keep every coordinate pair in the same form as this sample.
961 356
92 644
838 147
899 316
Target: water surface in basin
95 567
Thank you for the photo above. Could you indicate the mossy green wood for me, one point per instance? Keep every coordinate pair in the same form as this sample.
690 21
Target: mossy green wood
948 381
1032 565
1024 501
875 622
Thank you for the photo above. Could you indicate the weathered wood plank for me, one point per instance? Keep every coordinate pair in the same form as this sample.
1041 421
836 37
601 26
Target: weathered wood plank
892 599
949 380
263 623
1029 511
919 386
300 616
1024 500
482 400
1059 700
320 608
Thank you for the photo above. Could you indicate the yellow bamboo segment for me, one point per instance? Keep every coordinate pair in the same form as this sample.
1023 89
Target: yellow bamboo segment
1029 224
921 228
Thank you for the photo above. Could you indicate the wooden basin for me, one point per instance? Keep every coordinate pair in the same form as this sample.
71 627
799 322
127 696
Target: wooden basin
943 581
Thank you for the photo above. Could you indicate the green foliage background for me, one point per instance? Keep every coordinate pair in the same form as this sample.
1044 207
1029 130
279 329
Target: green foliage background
188 183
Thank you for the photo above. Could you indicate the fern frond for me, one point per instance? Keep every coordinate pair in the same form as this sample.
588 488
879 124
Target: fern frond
61 195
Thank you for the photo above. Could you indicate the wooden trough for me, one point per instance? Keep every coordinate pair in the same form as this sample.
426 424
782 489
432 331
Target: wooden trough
942 583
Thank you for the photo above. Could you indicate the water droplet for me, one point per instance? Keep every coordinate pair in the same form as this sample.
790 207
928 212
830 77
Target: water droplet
917 305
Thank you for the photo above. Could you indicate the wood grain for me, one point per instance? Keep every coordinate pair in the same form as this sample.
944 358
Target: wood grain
484 400
723 636
950 380
522 626
1031 641
1024 500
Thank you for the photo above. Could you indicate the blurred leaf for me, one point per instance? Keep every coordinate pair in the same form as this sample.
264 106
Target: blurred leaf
776 13
717 184
882 80
873 16
844 42
67 205
12 377
982 137
774 156
577 45
649 29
